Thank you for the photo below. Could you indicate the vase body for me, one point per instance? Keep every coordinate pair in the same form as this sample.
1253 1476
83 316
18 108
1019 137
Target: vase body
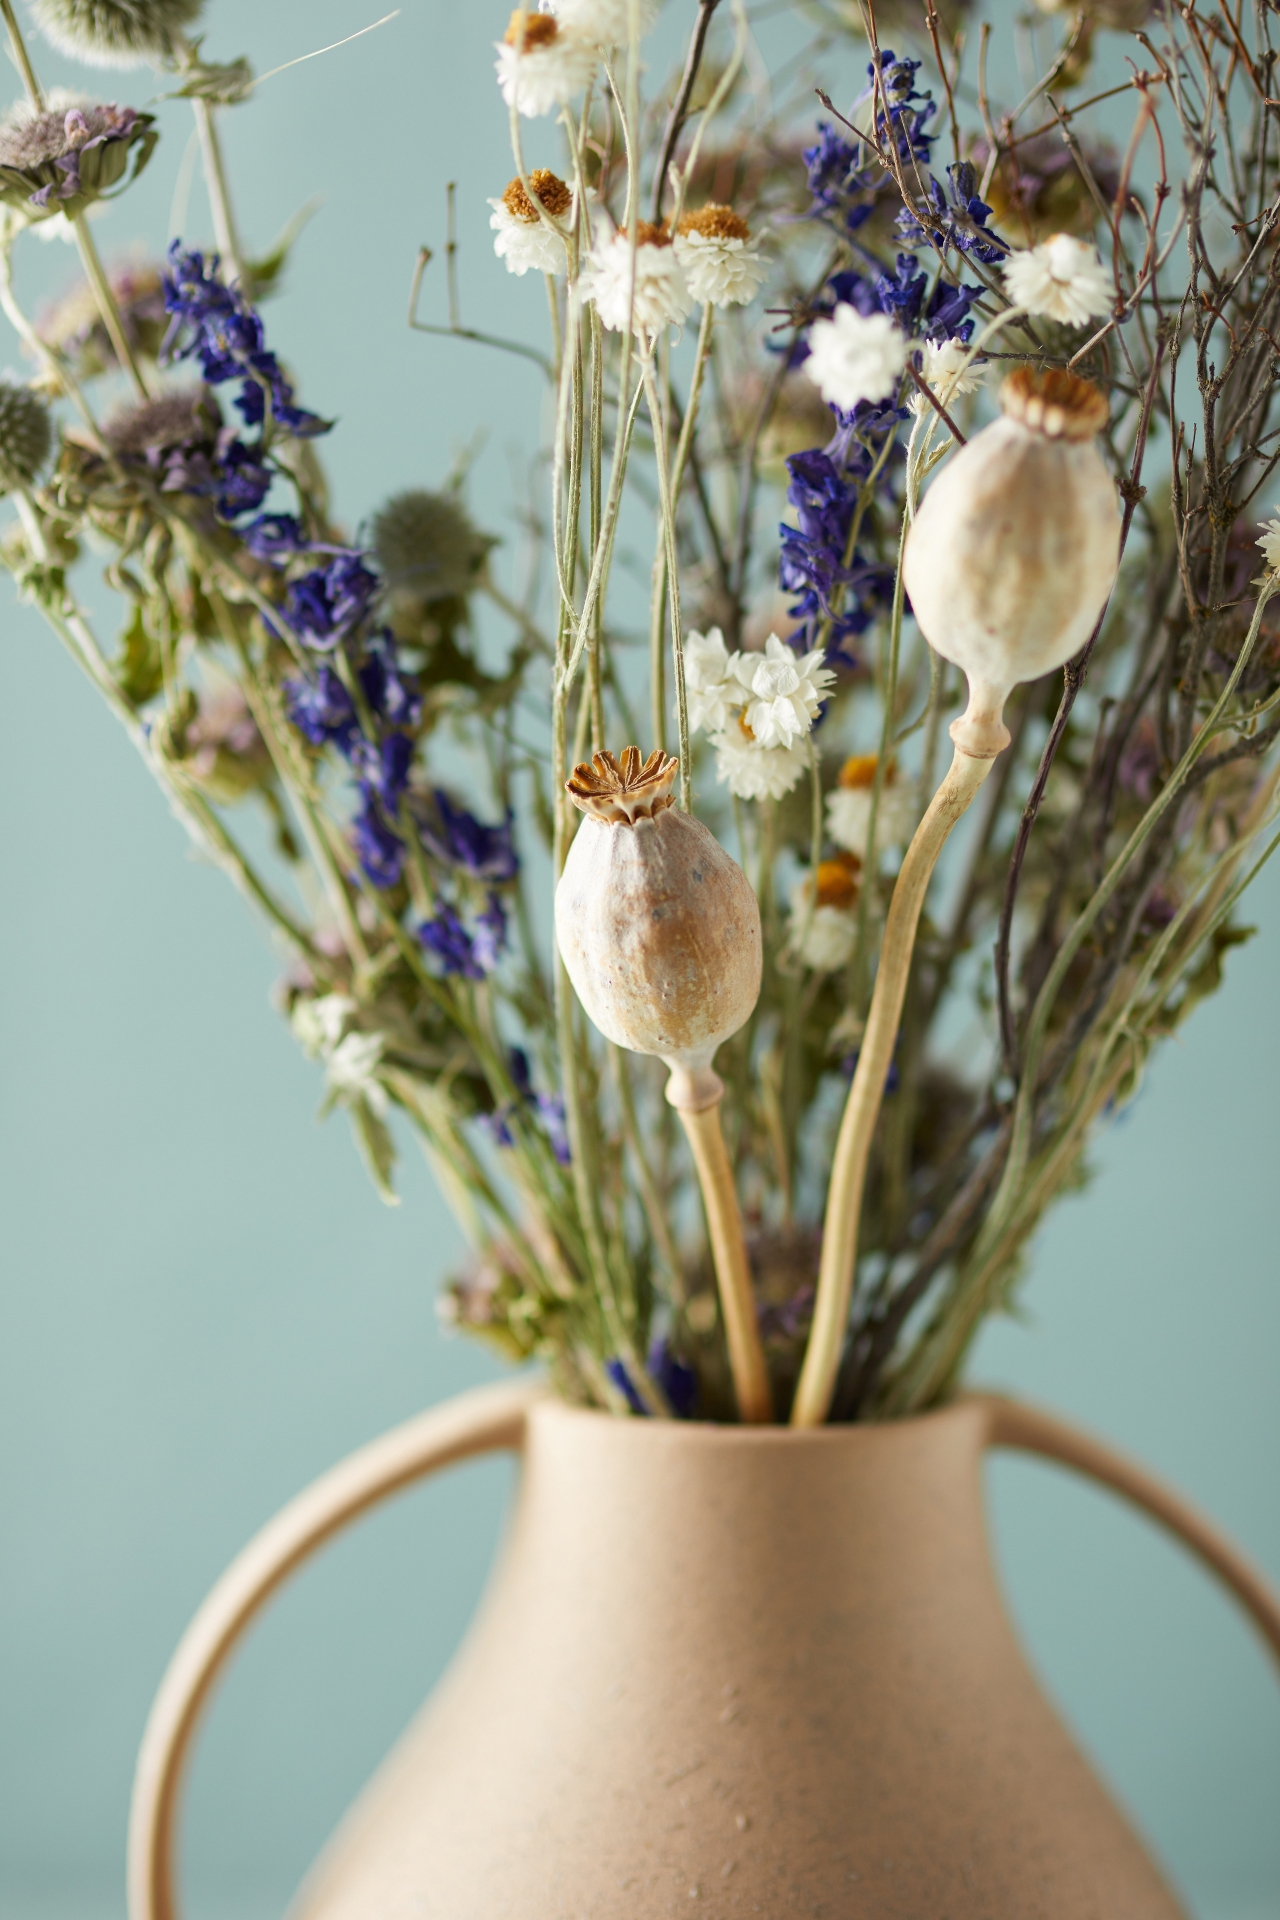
766 1671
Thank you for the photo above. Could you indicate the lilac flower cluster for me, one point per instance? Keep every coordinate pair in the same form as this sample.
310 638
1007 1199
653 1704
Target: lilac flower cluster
955 217
839 593
325 711
478 853
824 493
226 336
549 1108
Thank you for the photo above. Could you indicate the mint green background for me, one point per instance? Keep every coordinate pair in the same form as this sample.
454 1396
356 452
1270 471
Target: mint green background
204 1304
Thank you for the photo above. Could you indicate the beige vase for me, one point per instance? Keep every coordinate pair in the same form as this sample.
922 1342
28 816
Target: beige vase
761 1670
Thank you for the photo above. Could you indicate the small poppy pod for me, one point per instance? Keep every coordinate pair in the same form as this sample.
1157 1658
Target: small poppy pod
1013 552
658 928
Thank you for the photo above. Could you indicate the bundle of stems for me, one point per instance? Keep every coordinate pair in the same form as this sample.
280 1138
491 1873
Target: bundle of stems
773 324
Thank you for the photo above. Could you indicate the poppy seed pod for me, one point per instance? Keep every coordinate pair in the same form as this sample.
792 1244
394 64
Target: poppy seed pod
1013 552
658 928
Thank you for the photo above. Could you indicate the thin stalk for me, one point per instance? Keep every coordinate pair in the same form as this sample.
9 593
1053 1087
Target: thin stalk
106 300
215 174
729 1255
853 1146
673 578
21 57
1037 1029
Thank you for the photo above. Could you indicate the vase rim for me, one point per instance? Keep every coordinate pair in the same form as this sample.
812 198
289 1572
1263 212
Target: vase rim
964 1410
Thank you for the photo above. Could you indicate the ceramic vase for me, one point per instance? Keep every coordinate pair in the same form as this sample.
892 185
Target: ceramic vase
724 1670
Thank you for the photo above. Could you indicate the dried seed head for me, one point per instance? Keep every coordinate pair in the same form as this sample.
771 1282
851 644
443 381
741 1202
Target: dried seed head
115 33
427 547
1015 548
26 436
628 790
658 928
548 187
652 233
187 417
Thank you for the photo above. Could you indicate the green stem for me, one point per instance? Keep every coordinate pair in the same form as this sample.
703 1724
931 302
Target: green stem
215 174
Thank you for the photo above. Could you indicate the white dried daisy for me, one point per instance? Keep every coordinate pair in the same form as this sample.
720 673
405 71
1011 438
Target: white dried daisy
661 291
855 356
115 33
521 237
785 691
823 938
712 690
849 808
606 22
753 772
318 1025
946 372
351 1071
541 64
722 269
1061 279
1269 541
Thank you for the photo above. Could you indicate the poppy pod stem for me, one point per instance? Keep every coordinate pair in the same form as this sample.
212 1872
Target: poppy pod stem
696 1098
862 1108
659 932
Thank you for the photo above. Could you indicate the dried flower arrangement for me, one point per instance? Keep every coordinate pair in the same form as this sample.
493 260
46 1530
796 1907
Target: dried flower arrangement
1023 423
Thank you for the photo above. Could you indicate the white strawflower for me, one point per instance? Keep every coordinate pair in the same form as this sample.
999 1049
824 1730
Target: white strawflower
855 356
1061 279
1270 543
661 291
542 65
786 691
712 690
945 371
522 238
824 938
350 1072
849 808
607 22
722 269
318 1024
753 772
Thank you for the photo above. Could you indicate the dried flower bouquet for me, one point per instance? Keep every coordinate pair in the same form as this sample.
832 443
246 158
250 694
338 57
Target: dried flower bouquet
1016 385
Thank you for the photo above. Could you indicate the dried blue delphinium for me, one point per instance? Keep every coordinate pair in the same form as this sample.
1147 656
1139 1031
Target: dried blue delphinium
225 334
116 33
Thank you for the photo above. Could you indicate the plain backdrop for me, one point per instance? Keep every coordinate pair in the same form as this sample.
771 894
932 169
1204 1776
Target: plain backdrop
204 1304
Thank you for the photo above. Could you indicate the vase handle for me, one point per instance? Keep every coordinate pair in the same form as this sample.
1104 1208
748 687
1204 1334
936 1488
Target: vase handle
488 1420
1011 1423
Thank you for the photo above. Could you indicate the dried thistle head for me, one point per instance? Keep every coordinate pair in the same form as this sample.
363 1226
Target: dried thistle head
26 435
186 417
116 33
61 157
624 790
427 546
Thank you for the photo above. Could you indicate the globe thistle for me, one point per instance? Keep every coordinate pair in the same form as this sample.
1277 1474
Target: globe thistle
26 435
115 33
522 237
541 64
1061 279
721 268
63 156
660 296
855 356
427 547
